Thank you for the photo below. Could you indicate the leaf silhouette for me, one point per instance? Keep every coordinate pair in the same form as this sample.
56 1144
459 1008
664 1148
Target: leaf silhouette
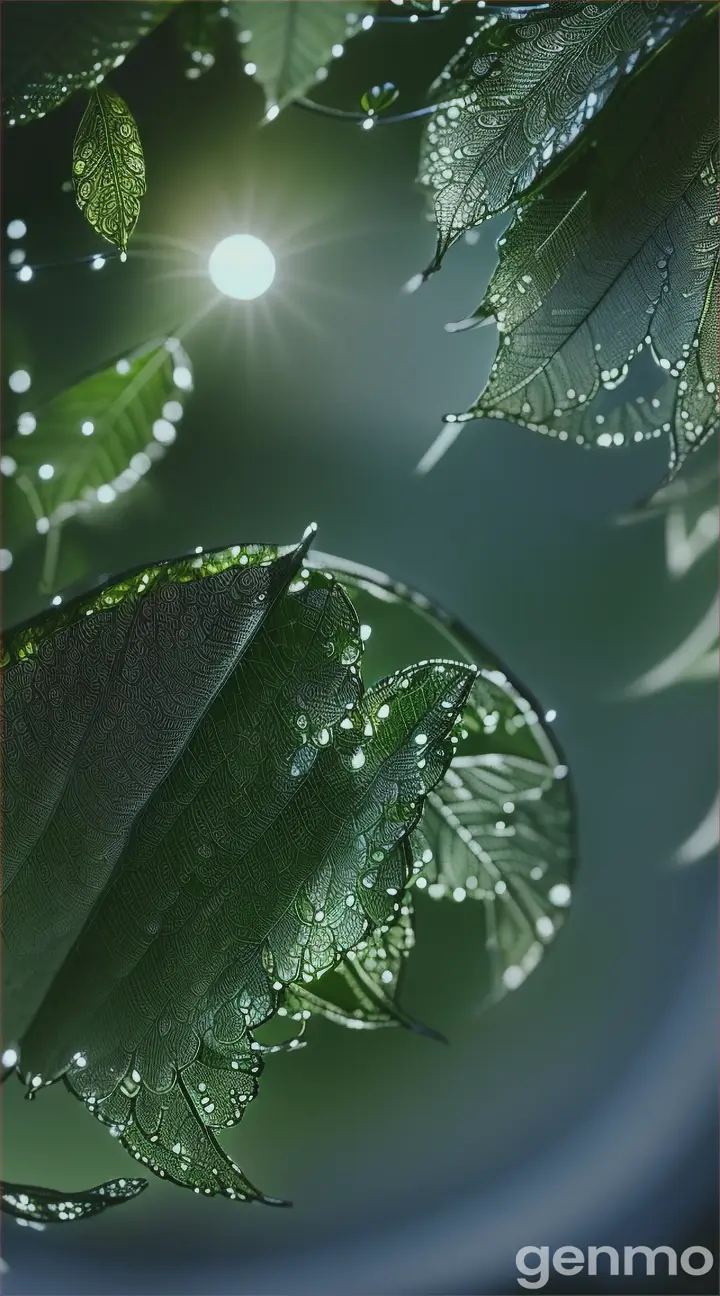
619 253
521 95
499 826
50 1206
109 167
290 42
202 807
96 441
52 50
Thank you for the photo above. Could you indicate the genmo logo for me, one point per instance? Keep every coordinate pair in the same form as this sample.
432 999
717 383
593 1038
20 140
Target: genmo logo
534 1262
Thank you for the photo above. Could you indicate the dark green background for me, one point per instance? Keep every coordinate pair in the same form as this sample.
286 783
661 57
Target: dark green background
581 1110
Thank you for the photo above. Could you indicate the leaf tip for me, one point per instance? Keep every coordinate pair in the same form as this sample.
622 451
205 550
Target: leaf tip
428 1032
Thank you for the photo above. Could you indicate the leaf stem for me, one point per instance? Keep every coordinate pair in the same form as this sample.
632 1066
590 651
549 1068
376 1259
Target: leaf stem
361 117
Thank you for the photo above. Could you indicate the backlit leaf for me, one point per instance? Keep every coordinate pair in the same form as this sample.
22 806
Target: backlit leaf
499 826
521 94
222 811
290 42
97 440
620 253
52 50
362 992
50 1206
109 167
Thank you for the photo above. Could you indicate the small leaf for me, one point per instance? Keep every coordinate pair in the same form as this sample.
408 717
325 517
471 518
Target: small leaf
290 42
51 1206
379 98
96 441
197 765
520 96
52 50
109 167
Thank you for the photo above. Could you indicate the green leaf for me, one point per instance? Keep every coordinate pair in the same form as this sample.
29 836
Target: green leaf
99 438
50 1206
291 42
109 167
223 812
499 826
52 50
362 991
620 253
379 98
521 95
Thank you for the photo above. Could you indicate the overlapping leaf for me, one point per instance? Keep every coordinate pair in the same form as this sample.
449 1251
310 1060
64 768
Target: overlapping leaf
50 1206
96 440
499 829
202 808
109 167
499 826
522 94
51 50
363 991
290 42
620 252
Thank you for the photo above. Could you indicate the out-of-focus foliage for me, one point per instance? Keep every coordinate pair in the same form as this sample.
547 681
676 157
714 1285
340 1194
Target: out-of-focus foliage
84 450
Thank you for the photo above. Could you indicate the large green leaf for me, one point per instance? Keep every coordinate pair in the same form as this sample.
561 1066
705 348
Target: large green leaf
521 95
290 42
51 50
97 440
619 253
499 826
202 807
109 167
50 1205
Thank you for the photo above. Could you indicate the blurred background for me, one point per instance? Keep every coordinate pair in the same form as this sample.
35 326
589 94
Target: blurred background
581 1110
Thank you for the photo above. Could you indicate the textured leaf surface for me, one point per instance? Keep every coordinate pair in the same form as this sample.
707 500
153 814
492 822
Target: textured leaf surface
50 1206
290 42
363 991
620 253
498 828
522 94
109 167
202 807
52 50
99 439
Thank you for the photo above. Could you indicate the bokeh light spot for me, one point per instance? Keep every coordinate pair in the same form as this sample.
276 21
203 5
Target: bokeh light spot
242 267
